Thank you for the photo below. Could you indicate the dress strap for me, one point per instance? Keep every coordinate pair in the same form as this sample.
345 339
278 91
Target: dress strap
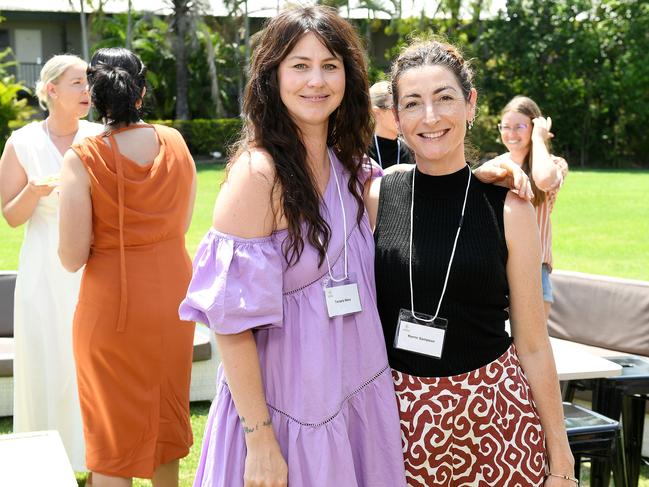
121 319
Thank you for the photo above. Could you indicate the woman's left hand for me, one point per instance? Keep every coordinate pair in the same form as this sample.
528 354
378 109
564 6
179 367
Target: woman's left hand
541 130
505 173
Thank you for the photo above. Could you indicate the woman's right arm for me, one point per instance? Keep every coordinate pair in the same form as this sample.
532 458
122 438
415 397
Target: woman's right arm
547 175
18 195
242 208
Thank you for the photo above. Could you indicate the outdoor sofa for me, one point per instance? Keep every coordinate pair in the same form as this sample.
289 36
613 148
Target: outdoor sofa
203 381
609 316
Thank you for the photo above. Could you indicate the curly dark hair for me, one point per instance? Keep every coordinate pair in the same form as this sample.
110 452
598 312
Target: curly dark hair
268 124
116 78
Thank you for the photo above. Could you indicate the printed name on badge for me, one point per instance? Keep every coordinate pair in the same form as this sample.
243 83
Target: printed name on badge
342 300
425 340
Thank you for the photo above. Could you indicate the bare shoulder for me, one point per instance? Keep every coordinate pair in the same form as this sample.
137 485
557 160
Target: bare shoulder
9 151
73 171
371 197
245 206
10 166
374 188
255 165
519 219
518 208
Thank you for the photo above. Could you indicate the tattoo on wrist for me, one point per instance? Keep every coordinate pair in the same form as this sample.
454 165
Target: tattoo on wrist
249 429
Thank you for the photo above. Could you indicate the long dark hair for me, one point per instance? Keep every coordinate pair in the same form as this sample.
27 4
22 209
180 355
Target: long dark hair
116 78
528 107
268 124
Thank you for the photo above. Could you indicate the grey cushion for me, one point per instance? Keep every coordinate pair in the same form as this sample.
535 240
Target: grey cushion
202 347
6 357
7 285
601 311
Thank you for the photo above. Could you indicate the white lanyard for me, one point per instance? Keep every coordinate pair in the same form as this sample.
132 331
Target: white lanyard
342 206
448 270
378 151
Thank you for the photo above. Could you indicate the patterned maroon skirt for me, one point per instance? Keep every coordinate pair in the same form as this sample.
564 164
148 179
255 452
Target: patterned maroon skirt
479 428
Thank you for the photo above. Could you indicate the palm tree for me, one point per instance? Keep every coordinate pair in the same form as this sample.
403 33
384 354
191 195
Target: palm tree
211 66
184 15
84 29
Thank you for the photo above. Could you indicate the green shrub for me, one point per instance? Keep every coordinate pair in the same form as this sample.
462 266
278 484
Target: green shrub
206 136
14 113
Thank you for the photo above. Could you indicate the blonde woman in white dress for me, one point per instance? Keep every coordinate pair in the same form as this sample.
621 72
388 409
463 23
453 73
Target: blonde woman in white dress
45 388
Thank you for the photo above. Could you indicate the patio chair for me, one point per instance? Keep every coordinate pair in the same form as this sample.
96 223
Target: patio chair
593 435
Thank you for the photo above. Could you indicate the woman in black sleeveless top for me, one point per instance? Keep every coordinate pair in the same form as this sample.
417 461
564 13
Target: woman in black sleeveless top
455 258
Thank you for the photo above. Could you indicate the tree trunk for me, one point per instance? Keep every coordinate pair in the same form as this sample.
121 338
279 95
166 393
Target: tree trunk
129 25
181 15
84 33
211 68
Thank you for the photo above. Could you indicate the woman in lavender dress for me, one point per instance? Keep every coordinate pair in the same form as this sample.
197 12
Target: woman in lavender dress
286 280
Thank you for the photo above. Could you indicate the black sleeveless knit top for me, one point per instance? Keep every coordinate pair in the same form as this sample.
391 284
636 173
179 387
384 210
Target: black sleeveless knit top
476 300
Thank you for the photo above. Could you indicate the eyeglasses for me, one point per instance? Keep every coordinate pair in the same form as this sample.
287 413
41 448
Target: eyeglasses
416 108
519 127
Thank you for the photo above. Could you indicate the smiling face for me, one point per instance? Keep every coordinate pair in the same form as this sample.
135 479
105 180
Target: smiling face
311 82
69 93
516 132
432 116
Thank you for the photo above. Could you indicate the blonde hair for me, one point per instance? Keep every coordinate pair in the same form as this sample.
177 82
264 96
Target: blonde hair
380 94
51 72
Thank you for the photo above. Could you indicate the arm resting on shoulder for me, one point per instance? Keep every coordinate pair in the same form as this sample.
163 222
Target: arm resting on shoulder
530 330
502 171
75 223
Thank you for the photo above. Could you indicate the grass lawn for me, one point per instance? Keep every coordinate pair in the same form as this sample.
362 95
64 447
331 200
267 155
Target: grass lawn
601 225
600 222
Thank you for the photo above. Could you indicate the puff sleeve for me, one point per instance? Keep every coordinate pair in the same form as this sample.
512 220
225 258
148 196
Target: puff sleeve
236 284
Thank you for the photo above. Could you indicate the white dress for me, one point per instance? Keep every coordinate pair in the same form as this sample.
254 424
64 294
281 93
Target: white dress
45 386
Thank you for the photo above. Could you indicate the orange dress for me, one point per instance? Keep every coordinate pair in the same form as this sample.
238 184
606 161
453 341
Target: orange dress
133 354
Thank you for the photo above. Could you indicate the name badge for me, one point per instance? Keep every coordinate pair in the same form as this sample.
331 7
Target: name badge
342 298
420 334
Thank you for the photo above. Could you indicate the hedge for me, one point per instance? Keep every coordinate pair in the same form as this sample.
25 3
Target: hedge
206 136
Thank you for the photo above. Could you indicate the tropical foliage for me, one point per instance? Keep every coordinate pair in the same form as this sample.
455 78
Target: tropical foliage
585 62
14 110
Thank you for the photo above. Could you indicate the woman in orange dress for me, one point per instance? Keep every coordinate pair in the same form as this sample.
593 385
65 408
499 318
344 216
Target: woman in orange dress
126 202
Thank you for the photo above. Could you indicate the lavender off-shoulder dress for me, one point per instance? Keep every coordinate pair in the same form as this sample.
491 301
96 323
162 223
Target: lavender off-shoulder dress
327 381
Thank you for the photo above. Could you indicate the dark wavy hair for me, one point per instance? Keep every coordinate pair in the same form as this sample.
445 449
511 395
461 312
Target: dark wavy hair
116 78
268 124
